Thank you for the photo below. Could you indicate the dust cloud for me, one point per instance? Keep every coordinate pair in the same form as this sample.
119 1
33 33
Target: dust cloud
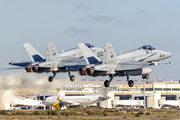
17 86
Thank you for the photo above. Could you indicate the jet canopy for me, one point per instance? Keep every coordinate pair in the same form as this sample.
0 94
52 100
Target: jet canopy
88 45
147 47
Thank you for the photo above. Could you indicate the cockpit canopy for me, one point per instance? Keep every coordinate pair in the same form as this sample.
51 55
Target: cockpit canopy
88 45
147 47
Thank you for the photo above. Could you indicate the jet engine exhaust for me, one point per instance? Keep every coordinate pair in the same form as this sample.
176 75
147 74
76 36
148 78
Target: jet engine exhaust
81 71
28 69
89 71
35 69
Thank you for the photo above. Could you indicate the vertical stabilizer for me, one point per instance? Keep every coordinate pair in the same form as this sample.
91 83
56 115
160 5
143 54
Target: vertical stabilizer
52 53
89 56
103 91
109 54
33 53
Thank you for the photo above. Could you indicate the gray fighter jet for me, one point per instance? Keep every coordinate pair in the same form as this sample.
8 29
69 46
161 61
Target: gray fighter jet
54 62
132 63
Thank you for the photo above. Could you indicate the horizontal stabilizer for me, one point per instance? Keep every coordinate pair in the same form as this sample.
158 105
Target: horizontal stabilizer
104 98
103 91
20 64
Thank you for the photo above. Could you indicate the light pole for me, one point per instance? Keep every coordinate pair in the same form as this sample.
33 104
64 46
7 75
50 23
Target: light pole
144 94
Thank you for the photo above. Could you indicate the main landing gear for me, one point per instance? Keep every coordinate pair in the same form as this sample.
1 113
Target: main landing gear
130 82
72 78
107 82
145 76
52 77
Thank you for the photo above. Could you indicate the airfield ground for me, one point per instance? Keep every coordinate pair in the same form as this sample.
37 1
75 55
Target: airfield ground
92 113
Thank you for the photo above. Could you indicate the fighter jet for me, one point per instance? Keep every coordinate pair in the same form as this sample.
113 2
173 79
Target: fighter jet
132 63
58 101
54 62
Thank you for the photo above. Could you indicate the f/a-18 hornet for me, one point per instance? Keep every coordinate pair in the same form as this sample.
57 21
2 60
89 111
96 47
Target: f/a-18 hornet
54 62
132 63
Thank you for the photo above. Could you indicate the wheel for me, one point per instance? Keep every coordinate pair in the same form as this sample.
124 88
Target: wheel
72 78
143 76
131 83
50 78
106 83
147 76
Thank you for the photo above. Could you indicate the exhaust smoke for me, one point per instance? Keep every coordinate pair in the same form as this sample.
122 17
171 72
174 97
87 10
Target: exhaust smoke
17 86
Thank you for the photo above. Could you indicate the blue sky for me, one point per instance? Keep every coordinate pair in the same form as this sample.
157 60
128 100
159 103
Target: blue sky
128 24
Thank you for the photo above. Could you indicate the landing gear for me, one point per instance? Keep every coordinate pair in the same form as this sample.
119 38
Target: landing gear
72 78
130 82
146 76
107 82
52 77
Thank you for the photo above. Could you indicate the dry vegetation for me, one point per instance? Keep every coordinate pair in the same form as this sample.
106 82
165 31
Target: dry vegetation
92 113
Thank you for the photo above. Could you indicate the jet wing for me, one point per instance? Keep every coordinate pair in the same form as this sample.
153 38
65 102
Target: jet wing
131 65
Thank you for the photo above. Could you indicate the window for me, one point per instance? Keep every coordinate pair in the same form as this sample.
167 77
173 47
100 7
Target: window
166 89
175 89
158 89
147 47
147 89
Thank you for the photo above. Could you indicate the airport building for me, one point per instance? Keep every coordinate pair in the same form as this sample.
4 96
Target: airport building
157 94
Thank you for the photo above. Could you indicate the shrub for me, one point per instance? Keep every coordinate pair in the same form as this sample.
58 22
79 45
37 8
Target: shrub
4 112
38 113
69 112
13 113
20 113
129 111
132 113
117 113
111 110
148 113
51 112
141 113
105 113
66 114
89 112
137 115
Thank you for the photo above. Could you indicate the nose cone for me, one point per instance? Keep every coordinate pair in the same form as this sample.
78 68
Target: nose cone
44 102
169 54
